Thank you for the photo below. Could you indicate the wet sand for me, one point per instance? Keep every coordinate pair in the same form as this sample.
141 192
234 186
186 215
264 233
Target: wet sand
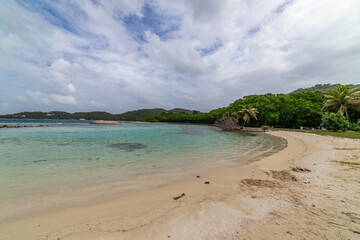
261 200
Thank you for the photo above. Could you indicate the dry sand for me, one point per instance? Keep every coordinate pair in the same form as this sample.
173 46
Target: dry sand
262 200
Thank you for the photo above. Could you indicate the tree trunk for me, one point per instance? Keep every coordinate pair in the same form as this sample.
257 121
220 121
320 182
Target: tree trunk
347 115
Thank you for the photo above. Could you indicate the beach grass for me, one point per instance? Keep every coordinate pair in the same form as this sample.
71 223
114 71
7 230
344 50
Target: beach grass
347 134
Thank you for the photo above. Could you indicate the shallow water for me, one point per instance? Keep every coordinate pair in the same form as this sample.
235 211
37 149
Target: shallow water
71 154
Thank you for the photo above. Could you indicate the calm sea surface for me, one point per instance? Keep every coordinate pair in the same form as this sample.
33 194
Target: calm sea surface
70 154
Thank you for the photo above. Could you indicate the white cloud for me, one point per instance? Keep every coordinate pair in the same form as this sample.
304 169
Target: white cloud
35 97
195 54
63 99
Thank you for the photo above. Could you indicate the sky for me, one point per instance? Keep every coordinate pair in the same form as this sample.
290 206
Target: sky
120 55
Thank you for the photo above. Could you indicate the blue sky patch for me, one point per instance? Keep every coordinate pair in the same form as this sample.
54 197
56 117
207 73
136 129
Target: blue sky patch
254 30
153 20
282 7
210 50
55 16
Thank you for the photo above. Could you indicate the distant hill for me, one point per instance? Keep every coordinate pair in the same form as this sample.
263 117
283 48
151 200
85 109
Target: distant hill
136 115
182 110
320 87
140 114
92 115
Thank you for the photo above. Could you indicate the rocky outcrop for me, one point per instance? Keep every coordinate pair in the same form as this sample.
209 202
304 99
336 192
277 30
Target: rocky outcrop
230 124
226 123
105 122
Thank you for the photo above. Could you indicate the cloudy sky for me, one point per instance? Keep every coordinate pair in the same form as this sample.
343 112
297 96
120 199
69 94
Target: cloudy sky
120 55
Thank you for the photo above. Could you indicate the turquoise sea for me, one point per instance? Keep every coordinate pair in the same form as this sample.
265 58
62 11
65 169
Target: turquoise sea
61 155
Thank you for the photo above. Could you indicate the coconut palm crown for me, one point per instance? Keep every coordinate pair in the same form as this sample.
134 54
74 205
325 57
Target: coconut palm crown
231 115
249 112
342 98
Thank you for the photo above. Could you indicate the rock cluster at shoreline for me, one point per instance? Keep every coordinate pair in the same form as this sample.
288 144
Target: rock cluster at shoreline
23 126
230 124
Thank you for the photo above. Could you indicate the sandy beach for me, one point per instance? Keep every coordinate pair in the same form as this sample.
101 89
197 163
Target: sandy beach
309 190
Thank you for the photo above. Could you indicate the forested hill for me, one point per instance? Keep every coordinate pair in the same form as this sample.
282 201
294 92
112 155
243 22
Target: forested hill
300 108
320 87
136 115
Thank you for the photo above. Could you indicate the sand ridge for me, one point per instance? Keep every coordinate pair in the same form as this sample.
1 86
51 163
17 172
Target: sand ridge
262 200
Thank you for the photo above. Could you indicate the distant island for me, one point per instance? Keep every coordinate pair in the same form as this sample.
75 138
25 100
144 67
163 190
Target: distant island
137 115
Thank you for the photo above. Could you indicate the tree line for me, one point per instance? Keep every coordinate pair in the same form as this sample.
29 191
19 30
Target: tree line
280 110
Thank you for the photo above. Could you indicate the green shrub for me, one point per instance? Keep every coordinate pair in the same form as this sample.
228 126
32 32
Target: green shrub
265 127
354 127
334 122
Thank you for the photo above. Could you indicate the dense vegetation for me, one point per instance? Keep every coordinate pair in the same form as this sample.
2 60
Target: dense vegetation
292 110
334 122
279 110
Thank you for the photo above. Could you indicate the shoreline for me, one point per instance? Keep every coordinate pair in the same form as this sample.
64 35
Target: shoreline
227 204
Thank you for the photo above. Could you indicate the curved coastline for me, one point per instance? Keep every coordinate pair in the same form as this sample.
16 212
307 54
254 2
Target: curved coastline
232 206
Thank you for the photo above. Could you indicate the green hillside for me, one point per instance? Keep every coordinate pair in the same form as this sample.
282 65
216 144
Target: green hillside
320 87
140 114
182 110
136 115
92 115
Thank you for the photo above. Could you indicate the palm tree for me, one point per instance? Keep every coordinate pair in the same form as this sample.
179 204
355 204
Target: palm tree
231 115
249 112
342 98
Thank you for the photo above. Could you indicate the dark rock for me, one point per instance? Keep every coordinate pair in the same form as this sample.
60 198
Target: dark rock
198 176
127 146
299 169
207 182
226 123
37 161
4 126
178 197
313 205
